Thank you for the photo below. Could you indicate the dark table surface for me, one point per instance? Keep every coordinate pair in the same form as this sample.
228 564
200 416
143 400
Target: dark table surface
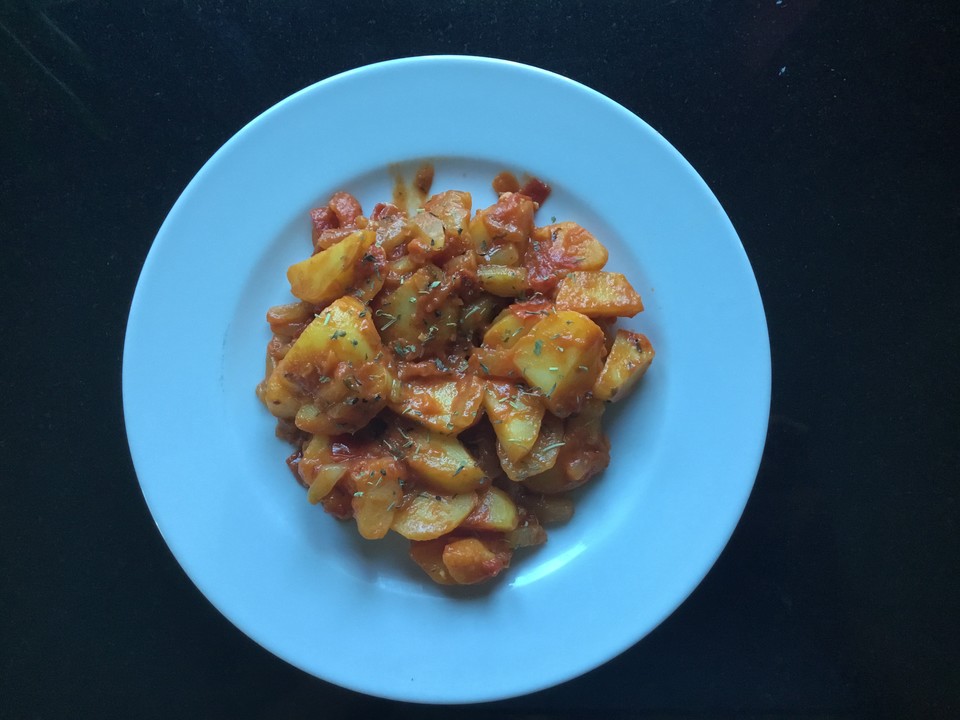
827 130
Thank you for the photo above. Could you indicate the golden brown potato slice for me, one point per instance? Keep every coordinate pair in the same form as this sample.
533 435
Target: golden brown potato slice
331 272
442 405
376 495
443 462
429 236
561 357
598 294
541 457
428 554
515 416
319 469
585 453
330 378
627 362
428 516
473 560
415 319
452 208
507 329
495 512
288 321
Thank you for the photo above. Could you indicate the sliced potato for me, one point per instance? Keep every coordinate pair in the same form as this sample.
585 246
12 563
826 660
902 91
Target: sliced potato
429 236
328 274
598 294
345 401
414 319
428 516
541 457
491 363
342 333
508 328
506 255
428 554
585 453
452 207
561 357
443 462
344 328
444 406
318 468
288 321
627 362
515 416
394 232
495 512
473 560
376 495
501 280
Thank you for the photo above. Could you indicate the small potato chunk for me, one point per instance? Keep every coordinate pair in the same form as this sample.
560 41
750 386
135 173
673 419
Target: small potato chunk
501 280
598 294
428 516
444 406
558 249
453 210
495 512
344 328
541 457
340 344
376 495
472 560
507 329
515 416
428 554
429 236
627 362
415 319
288 321
318 468
443 462
561 357
331 272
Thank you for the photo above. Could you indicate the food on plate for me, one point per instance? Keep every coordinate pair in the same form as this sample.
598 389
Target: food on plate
444 372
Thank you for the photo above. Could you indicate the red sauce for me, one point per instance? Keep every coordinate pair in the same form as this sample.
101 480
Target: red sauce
423 180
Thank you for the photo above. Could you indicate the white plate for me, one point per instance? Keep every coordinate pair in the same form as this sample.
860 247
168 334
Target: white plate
686 444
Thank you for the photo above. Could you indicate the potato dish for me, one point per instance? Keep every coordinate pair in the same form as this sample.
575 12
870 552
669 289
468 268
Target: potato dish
444 372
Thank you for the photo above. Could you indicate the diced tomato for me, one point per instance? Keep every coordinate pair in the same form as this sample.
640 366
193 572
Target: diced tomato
386 211
536 190
346 208
321 219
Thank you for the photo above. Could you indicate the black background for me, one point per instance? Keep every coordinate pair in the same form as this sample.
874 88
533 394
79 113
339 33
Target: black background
829 133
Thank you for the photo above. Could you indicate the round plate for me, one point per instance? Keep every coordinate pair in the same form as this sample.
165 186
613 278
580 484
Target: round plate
685 445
